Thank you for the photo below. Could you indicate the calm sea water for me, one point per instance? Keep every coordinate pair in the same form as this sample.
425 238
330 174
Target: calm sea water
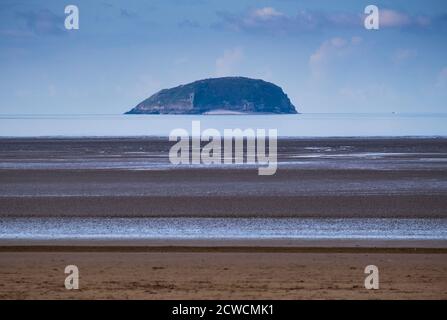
302 125
220 228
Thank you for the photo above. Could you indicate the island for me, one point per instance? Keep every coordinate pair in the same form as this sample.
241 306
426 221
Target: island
227 95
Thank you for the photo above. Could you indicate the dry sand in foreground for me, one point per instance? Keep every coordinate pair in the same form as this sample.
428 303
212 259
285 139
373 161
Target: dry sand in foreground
207 274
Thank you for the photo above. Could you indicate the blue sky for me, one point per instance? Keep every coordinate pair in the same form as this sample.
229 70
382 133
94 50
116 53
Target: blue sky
317 51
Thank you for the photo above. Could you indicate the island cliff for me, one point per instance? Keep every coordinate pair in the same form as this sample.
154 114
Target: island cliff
217 96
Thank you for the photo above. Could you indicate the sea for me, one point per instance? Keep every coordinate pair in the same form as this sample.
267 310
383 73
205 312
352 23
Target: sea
296 125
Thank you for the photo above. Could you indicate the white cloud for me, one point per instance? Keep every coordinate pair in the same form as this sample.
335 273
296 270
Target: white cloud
270 21
324 50
227 63
329 50
266 13
356 40
392 18
146 85
181 60
403 55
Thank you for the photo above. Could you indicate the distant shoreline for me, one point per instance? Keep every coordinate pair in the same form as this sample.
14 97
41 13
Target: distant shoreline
288 125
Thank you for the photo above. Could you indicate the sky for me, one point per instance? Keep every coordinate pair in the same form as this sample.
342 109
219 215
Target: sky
319 52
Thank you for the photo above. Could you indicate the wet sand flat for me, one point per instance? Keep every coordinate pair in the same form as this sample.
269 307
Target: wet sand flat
321 177
224 193
379 206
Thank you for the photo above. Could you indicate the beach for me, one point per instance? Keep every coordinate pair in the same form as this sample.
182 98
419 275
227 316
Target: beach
389 183
222 150
222 275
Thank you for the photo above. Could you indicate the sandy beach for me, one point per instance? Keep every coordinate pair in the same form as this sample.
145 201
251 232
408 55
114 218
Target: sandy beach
210 274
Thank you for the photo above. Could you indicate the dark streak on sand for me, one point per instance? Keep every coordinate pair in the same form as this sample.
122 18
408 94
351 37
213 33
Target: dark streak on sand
334 206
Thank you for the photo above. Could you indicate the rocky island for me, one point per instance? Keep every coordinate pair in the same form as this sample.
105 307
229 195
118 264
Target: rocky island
228 95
